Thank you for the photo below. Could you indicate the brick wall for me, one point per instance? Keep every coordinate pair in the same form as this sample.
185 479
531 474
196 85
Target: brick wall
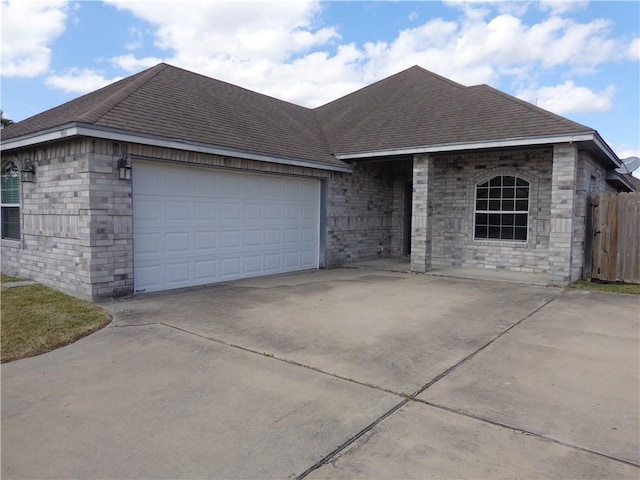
365 214
77 218
454 179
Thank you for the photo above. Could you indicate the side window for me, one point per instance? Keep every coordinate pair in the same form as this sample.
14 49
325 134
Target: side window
10 193
502 209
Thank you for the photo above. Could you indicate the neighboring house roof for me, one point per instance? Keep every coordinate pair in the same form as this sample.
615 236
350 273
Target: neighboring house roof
412 111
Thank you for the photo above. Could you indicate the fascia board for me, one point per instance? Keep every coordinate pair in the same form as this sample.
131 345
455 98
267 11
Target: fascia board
64 132
451 147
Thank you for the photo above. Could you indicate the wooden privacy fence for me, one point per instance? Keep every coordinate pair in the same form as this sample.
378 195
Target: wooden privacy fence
612 247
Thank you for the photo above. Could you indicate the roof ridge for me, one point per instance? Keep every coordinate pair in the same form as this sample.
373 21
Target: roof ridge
531 106
99 110
437 76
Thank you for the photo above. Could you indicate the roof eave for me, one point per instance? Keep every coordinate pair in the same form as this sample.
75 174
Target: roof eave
587 136
615 177
71 130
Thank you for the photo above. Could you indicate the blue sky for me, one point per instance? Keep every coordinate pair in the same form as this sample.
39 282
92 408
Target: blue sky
579 59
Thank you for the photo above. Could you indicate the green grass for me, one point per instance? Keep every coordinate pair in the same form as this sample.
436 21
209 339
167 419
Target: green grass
37 319
6 278
631 288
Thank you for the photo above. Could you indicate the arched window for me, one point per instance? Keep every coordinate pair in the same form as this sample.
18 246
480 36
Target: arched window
10 192
502 209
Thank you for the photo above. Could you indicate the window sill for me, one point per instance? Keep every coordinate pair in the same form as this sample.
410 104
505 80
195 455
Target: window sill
505 243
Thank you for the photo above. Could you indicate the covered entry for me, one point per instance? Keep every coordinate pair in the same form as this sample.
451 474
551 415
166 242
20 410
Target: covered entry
194 226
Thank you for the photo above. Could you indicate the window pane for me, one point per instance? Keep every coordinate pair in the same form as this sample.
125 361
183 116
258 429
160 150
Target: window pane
482 193
494 204
482 218
11 222
522 192
481 232
508 181
520 181
481 204
494 232
495 192
521 220
520 233
494 219
522 205
507 219
508 205
483 185
506 233
495 181
508 192
10 189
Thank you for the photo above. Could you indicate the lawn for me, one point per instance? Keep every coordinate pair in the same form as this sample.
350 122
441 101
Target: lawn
37 319
632 288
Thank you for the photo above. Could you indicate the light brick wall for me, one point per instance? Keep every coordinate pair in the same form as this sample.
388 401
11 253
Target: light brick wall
563 209
77 218
422 218
54 247
362 212
454 179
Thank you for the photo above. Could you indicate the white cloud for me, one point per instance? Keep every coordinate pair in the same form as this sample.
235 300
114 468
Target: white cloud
129 63
413 16
242 30
634 49
136 39
28 28
570 98
559 7
283 49
78 80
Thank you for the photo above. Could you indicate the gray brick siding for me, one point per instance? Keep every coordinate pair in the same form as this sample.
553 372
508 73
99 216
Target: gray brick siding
454 180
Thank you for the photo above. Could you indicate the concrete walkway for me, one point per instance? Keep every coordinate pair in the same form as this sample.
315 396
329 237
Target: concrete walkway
344 373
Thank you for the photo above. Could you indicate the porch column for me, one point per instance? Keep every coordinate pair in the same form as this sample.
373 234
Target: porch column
422 215
563 184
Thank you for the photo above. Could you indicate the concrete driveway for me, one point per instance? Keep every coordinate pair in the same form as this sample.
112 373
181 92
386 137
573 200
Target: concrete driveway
337 374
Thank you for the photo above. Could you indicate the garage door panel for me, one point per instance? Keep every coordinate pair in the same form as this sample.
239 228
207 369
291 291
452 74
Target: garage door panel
178 242
272 237
231 211
273 262
148 210
231 267
205 242
223 226
308 259
253 264
177 182
206 270
204 210
273 212
178 272
231 239
231 186
253 238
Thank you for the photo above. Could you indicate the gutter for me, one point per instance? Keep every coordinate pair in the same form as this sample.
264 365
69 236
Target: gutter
70 130
512 142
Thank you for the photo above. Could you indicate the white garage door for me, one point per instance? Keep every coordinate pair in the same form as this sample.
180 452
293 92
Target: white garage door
194 225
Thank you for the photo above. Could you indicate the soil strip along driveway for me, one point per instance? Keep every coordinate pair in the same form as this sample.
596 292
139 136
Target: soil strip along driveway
337 374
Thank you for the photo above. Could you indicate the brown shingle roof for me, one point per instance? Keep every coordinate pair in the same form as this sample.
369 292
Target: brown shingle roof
413 108
168 102
418 108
